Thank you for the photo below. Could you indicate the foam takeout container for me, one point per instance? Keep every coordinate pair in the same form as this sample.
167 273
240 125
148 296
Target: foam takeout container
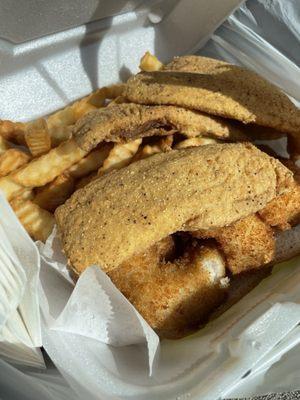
54 53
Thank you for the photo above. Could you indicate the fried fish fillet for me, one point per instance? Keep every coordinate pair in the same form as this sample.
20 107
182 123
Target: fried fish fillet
173 296
251 242
247 244
127 211
217 88
124 122
284 211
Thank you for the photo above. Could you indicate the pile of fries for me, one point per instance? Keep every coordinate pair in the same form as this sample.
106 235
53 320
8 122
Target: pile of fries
41 165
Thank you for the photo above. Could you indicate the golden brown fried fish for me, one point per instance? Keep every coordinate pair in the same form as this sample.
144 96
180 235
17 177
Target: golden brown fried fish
127 211
124 122
217 88
173 296
284 211
248 243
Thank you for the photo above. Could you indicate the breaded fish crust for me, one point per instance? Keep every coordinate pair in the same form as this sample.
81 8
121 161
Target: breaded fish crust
252 243
217 88
125 212
124 122
173 297
284 211
247 244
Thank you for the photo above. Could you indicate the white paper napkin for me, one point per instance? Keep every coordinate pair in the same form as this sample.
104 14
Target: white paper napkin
20 330
94 309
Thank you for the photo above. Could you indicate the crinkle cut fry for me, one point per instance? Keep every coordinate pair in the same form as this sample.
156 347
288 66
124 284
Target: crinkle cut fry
161 145
60 189
91 162
55 193
13 131
37 137
37 222
58 123
120 156
4 145
150 63
42 170
11 160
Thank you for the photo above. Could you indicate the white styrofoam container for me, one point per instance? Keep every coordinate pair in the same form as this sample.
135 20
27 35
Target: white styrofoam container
42 74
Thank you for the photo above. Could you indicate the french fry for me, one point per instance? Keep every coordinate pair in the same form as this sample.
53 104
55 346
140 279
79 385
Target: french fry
59 125
114 91
55 193
4 145
117 100
89 103
37 222
37 137
42 170
97 98
82 107
194 142
13 131
9 188
86 168
11 160
91 162
85 180
150 63
47 167
120 156
162 145
27 194
166 143
147 151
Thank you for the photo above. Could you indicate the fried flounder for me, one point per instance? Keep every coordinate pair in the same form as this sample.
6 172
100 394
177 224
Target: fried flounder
217 88
127 211
248 243
127 222
125 122
256 240
173 296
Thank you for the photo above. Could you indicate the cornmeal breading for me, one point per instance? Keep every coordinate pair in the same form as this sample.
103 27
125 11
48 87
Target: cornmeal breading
251 242
176 296
217 88
248 243
284 211
125 212
125 122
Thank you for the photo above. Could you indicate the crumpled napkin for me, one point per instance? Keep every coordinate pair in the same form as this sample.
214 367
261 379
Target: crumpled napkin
94 308
20 329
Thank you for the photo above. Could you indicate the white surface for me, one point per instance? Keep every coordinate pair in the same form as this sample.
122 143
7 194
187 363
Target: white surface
20 330
54 70
40 76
